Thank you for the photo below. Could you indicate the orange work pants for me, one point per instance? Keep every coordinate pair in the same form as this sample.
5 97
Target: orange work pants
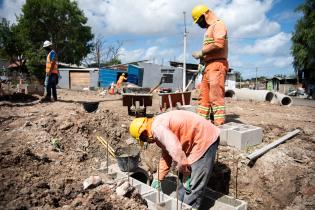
211 99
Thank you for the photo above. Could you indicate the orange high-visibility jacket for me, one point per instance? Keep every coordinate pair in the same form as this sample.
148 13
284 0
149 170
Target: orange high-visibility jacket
121 79
49 63
216 38
183 136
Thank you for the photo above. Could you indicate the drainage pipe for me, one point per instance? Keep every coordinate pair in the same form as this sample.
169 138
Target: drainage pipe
229 93
282 99
254 95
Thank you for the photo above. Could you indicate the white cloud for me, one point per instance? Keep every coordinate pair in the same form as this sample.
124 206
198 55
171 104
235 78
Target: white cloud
247 18
10 8
274 45
153 53
278 61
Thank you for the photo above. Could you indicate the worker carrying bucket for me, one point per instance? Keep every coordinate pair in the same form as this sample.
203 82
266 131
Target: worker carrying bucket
187 139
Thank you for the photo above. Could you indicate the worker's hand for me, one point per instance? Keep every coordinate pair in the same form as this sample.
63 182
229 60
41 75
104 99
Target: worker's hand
197 54
156 184
186 183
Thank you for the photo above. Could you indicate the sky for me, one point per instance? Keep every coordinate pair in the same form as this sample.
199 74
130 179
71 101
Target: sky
259 31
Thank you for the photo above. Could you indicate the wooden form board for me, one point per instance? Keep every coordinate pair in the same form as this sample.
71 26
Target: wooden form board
79 80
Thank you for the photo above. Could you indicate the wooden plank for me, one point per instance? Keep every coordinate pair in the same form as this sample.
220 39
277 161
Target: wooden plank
79 80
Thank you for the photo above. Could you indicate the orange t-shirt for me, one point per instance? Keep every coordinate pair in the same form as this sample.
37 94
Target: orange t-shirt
183 136
216 34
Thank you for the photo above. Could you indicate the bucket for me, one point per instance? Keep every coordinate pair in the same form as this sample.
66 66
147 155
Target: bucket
122 155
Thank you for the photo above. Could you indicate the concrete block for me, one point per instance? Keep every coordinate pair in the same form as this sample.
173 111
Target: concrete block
144 189
152 199
224 131
172 205
212 200
215 201
244 136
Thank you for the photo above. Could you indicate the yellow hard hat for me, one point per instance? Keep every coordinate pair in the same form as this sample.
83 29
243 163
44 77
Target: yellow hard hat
198 11
123 74
137 126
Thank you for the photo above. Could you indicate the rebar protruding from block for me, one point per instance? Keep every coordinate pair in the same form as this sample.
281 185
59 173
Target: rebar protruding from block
177 182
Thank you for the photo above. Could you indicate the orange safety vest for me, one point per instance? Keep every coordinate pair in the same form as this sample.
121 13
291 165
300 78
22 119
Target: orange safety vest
49 63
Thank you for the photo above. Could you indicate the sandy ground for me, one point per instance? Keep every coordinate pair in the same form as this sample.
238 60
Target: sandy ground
47 150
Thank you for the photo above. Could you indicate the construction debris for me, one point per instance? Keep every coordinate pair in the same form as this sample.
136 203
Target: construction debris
268 147
91 182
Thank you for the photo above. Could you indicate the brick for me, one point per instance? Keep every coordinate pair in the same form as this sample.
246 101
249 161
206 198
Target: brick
244 136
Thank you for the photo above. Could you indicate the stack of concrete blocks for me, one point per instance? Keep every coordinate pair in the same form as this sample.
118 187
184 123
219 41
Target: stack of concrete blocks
240 135
168 201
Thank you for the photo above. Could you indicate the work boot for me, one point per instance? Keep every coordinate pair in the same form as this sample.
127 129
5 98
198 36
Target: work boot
45 99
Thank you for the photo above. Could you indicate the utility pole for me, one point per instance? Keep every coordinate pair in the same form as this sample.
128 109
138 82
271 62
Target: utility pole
184 61
256 79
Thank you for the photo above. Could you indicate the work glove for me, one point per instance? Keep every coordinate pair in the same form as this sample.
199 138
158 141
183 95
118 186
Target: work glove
156 184
186 183
197 54
201 68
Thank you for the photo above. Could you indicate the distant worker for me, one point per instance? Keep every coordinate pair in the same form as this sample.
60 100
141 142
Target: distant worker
214 54
187 139
121 79
52 72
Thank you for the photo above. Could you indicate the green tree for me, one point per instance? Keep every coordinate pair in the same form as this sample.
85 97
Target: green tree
60 21
303 48
10 44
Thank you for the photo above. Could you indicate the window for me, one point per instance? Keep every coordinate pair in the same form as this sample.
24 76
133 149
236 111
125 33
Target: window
168 78
167 71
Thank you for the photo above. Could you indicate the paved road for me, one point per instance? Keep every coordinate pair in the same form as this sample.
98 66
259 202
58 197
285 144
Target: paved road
303 102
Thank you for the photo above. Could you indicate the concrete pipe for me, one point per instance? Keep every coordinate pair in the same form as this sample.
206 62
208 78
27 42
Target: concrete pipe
282 100
254 95
229 93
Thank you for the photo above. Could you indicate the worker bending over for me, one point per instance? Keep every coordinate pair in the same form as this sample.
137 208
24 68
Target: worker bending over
187 139
214 54
121 79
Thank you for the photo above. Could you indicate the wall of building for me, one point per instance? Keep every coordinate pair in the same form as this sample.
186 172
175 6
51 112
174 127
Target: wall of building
64 82
152 74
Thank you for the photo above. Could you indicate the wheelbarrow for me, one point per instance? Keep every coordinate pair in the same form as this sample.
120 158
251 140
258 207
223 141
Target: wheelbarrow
137 99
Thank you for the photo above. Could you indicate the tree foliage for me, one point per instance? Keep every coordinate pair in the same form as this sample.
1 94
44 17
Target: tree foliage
303 48
60 21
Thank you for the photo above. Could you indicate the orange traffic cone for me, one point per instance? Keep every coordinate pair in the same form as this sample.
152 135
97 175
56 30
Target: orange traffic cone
111 91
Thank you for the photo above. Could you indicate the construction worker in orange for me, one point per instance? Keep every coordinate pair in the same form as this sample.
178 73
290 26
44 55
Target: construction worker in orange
187 139
52 72
214 54
120 81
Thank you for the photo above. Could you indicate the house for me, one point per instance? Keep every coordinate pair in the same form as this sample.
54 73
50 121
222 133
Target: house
282 84
78 78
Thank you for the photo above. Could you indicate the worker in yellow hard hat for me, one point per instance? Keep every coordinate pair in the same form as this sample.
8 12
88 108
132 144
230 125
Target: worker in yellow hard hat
214 54
187 139
121 79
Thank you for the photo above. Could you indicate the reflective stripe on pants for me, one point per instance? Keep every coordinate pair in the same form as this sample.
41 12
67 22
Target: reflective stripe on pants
212 91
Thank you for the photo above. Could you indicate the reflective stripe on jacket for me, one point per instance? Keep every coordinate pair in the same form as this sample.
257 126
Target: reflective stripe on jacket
216 34
49 62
